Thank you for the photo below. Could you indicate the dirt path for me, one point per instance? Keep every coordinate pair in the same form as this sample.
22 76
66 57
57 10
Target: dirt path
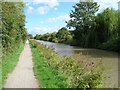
23 76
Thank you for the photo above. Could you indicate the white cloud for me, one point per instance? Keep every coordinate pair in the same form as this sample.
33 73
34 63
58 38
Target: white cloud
63 18
42 10
30 9
43 30
37 30
59 18
50 3
55 9
47 5
27 4
40 1
107 3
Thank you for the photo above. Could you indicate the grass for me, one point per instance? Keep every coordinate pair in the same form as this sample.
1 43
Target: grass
0 75
53 71
9 62
44 73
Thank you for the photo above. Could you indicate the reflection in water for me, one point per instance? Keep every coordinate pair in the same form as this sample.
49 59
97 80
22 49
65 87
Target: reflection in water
109 59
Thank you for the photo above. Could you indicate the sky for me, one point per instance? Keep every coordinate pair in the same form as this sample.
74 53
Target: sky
47 16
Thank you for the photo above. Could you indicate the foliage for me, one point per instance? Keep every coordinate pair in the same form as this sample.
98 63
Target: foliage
107 25
13 26
100 31
62 36
111 45
30 36
76 75
46 37
44 74
82 20
37 37
107 29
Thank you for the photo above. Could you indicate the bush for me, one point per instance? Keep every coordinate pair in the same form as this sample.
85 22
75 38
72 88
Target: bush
111 45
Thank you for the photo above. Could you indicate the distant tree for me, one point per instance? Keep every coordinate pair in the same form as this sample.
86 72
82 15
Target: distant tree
45 37
37 37
63 35
53 37
30 36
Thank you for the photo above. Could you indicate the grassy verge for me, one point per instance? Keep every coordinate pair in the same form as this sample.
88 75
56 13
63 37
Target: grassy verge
0 76
44 73
9 62
54 71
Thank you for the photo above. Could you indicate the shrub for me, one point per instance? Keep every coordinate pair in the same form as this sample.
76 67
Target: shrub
111 45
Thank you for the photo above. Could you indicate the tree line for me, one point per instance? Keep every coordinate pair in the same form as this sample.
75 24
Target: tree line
13 26
90 30
62 36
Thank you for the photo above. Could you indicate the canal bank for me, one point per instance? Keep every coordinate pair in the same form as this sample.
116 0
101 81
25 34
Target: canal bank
109 59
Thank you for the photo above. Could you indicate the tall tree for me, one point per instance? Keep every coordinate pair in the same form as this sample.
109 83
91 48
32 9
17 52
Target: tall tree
13 25
107 25
119 19
82 19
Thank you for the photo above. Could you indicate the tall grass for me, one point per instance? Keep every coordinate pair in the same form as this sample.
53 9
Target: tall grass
44 73
9 62
75 74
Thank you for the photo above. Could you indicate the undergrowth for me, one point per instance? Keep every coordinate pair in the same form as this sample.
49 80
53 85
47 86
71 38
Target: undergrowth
44 73
74 74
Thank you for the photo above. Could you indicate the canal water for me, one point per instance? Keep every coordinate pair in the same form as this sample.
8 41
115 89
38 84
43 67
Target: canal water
109 59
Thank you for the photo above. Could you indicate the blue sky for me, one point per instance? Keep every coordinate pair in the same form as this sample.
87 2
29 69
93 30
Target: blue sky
50 15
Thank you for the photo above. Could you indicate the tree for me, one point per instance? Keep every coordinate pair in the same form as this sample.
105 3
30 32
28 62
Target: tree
46 37
30 36
13 25
53 37
37 37
107 25
82 19
107 28
119 25
63 35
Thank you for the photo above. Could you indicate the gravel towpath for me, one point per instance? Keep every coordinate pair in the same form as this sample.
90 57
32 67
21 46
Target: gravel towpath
23 75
